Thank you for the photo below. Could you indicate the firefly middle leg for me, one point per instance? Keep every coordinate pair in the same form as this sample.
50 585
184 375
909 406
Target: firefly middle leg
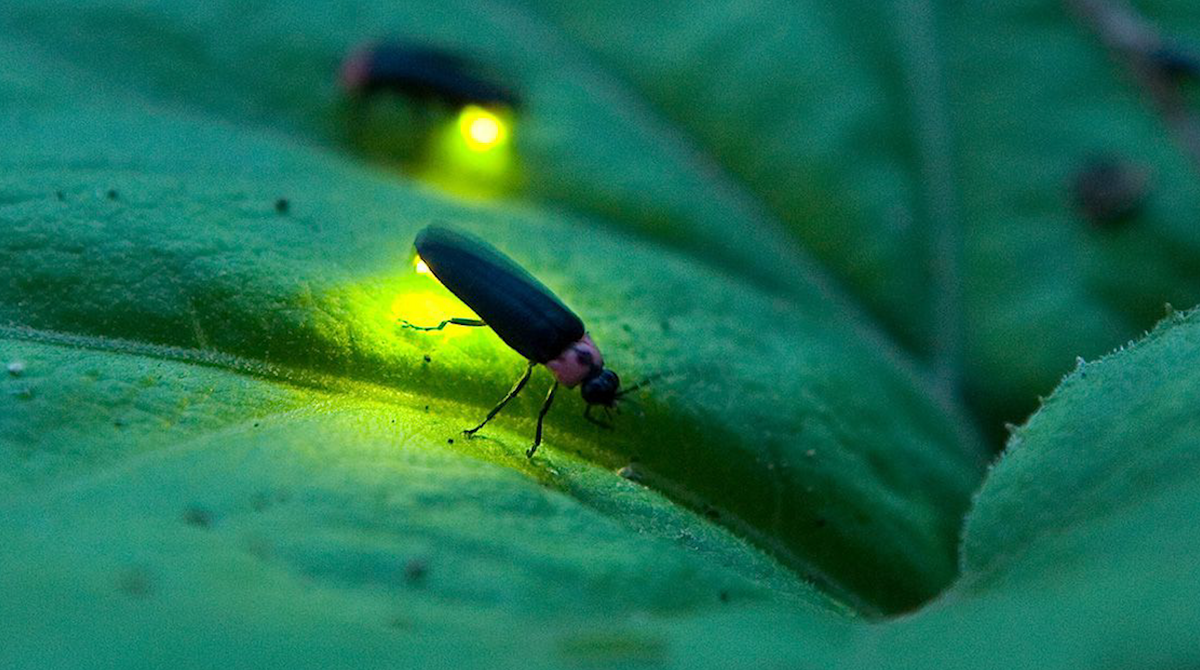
500 405
537 437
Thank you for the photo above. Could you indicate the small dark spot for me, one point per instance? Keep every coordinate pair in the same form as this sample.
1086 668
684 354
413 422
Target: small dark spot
256 424
416 570
428 359
393 421
197 516
259 547
119 423
631 472
282 206
112 194
665 325
136 582
627 328
583 357
820 522
1109 190
427 408
711 512
724 596
1176 61
450 441
60 196
264 500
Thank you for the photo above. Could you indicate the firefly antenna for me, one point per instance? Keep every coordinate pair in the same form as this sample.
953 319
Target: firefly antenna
640 385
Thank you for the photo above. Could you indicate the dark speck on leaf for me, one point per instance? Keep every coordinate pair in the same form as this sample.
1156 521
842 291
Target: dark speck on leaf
112 194
119 423
60 196
197 516
136 583
1109 190
450 441
264 500
256 424
282 206
711 512
427 408
1176 61
415 570
724 596
428 359
631 472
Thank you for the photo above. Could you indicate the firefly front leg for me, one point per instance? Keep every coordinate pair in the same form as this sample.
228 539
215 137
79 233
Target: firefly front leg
447 322
500 405
587 414
537 437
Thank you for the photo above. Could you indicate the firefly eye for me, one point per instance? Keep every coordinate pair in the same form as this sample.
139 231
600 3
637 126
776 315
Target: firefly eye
601 388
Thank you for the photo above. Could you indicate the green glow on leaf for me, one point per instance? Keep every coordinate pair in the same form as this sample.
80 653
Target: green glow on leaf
473 157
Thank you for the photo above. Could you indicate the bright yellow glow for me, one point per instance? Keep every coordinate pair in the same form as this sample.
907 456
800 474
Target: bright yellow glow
481 129
421 266
459 161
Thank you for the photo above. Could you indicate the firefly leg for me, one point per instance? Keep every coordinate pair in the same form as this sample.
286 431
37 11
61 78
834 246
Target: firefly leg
447 322
587 414
537 437
500 405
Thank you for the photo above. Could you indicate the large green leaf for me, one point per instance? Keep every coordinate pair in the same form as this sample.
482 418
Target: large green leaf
218 449
1079 552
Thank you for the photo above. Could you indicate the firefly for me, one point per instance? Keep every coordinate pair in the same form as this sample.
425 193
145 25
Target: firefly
422 72
525 314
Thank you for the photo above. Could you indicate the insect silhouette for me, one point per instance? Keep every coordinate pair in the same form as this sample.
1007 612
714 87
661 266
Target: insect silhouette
423 73
525 314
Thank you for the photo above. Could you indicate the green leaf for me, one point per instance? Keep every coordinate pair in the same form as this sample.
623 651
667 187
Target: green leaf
1078 552
165 306
926 155
217 449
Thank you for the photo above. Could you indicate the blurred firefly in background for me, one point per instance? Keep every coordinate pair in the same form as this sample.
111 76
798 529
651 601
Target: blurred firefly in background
422 72
433 109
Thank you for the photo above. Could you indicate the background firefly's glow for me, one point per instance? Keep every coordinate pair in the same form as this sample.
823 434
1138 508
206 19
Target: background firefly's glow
473 156
481 130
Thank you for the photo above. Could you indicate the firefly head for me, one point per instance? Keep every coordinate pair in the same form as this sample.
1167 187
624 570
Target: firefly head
600 388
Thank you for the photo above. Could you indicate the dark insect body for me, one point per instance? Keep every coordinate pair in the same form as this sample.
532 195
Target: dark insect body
422 73
525 314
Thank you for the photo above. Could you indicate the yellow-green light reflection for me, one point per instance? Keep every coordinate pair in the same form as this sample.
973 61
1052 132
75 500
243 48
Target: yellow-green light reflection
473 157
425 302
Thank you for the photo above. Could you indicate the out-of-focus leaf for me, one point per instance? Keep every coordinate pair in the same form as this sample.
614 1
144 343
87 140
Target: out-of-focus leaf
920 150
